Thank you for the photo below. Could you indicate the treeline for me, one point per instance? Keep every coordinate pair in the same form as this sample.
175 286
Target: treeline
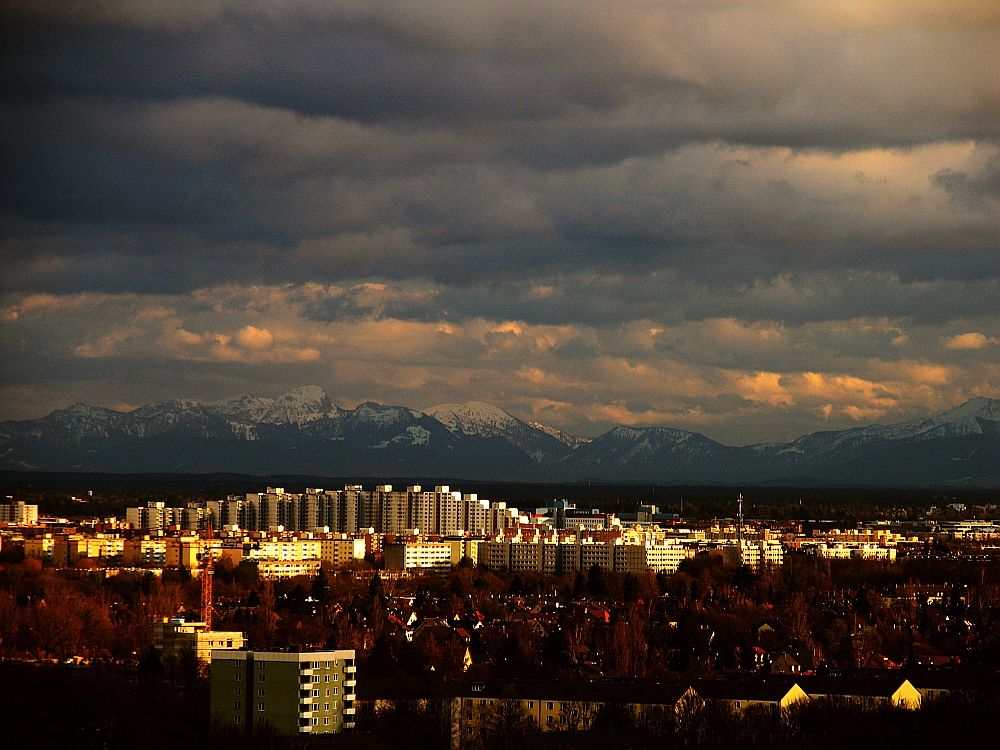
706 619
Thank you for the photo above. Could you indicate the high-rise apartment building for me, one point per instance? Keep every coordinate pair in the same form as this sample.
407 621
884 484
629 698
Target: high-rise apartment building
292 692
19 512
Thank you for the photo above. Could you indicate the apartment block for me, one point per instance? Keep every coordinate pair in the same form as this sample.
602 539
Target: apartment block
352 510
19 512
426 556
292 692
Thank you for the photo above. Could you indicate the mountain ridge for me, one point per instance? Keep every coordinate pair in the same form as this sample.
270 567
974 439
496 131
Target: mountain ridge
303 431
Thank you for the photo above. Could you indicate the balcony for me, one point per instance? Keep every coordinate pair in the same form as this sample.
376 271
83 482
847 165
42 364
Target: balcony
350 683
350 669
348 725
350 711
349 697
308 672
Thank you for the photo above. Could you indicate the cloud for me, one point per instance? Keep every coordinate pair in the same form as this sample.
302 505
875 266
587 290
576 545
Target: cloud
746 218
259 339
970 340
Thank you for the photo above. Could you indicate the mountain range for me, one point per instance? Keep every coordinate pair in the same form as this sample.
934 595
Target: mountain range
304 432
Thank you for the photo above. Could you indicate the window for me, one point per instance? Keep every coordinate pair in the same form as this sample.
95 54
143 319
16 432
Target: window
549 705
237 691
229 643
328 692
316 693
260 677
336 691
239 677
336 677
326 719
326 706
236 719
531 704
236 705
260 706
326 678
260 692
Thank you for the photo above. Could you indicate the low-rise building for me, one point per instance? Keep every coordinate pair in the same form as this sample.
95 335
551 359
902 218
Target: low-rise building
423 556
176 639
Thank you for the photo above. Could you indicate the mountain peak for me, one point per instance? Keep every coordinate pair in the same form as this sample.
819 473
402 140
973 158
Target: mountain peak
979 407
307 393
299 406
473 418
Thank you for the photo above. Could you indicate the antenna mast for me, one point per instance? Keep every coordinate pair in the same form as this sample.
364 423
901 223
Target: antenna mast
739 523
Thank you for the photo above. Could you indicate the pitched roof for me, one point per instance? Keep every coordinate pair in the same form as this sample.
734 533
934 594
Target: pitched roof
772 691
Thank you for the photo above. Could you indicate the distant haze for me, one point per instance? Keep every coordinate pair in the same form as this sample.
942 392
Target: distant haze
748 220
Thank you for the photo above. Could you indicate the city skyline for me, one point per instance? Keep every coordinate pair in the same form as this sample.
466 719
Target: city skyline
747 222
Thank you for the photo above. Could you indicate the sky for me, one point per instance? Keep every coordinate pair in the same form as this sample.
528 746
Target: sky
749 219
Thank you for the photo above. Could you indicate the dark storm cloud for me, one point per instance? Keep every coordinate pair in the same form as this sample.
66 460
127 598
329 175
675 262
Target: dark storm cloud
972 190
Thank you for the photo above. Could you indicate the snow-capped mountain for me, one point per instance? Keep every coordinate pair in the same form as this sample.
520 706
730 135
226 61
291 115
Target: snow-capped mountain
304 432
473 418
301 406
567 439
481 420
646 453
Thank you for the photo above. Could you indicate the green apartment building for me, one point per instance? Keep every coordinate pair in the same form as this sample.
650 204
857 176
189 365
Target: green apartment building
294 692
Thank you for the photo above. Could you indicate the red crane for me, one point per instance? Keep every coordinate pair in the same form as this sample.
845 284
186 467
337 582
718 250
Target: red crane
206 580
